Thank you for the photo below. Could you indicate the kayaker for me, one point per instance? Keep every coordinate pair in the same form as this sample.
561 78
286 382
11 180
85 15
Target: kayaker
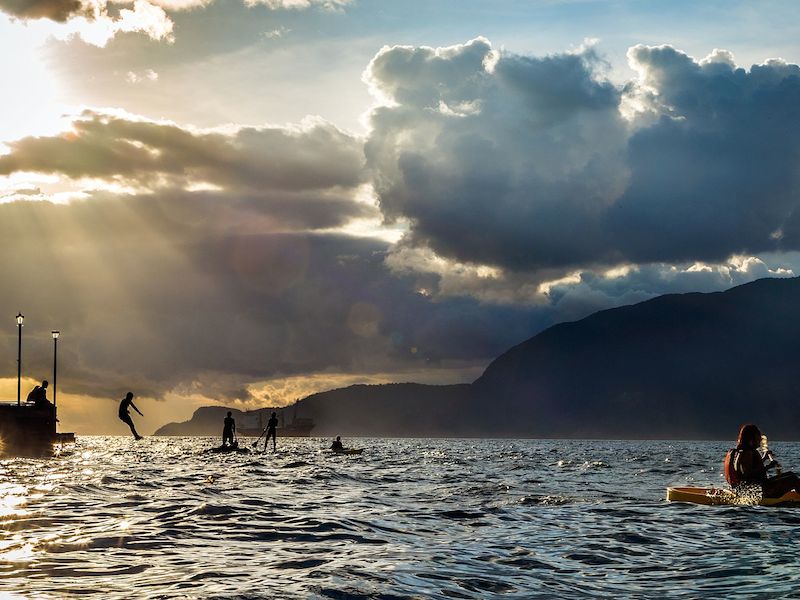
744 467
272 430
125 416
228 429
337 446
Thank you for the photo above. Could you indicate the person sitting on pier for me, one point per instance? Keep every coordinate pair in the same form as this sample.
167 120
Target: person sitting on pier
228 429
337 446
38 395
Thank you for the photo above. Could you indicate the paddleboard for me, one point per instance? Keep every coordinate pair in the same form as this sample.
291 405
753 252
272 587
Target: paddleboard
722 496
228 449
349 451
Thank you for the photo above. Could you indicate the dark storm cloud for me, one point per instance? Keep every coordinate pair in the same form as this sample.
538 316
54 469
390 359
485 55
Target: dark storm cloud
56 10
497 159
527 164
717 173
315 155
202 291
177 286
195 307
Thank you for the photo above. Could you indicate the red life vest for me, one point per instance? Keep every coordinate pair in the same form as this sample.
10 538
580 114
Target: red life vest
730 467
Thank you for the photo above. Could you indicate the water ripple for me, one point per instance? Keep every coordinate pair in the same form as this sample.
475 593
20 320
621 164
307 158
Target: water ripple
407 519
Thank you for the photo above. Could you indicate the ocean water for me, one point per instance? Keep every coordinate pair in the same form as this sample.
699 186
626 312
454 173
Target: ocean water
409 518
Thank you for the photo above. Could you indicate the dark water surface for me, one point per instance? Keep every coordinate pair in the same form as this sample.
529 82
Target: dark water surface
407 519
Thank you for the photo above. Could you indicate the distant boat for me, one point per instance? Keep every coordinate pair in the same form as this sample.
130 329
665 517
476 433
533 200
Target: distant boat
297 427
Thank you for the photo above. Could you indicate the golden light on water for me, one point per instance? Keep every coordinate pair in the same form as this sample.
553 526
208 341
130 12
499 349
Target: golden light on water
12 497
16 553
12 500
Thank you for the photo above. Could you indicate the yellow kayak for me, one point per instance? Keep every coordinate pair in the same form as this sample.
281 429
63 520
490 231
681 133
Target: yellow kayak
717 496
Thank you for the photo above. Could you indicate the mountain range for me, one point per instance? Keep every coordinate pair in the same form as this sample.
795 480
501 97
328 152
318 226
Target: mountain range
694 365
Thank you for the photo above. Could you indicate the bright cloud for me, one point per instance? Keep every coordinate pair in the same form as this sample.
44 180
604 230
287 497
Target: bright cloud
313 155
148 75
527 164
90 20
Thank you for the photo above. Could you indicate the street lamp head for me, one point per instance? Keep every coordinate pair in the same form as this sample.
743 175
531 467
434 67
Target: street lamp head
55 334
20 319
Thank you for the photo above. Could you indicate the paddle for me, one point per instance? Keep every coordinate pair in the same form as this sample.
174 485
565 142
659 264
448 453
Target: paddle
259 437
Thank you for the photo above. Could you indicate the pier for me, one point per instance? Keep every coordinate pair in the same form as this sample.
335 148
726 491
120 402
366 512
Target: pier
29 431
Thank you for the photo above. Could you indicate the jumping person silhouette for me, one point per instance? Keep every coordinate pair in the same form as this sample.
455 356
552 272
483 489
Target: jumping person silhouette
125 416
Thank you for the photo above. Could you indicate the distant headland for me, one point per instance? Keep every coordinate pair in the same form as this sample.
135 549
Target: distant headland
683 366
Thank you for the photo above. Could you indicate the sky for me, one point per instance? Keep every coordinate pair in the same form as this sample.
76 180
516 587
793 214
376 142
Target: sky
241 202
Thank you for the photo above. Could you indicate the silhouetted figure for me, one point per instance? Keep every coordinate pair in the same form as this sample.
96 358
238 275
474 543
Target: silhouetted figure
228 429
272 430
125 416
337 446
745 466
38 395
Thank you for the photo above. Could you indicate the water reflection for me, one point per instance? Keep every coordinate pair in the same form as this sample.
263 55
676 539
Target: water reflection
409 518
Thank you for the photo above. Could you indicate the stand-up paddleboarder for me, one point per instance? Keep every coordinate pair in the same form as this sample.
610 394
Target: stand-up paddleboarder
272 426
228 429
125 416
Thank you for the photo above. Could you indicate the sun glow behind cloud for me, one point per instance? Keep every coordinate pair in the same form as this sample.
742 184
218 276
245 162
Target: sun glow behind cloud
29 104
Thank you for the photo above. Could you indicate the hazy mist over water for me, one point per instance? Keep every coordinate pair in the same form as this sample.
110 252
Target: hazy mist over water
410 518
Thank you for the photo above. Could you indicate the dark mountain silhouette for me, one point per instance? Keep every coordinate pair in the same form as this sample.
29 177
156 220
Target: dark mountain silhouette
681 365
206 420
393 410
678 366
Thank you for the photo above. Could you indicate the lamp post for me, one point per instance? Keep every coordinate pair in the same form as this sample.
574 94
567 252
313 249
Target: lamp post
20 319
55 364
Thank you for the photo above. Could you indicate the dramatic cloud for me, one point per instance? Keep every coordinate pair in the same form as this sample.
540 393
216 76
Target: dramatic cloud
497 159
716 174
527 164
213 263
92 20
154 304
313 156
57 10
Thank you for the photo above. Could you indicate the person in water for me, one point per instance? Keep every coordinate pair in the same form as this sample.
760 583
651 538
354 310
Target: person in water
744 466
228 429
125 416
38 395
337 446
272 430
